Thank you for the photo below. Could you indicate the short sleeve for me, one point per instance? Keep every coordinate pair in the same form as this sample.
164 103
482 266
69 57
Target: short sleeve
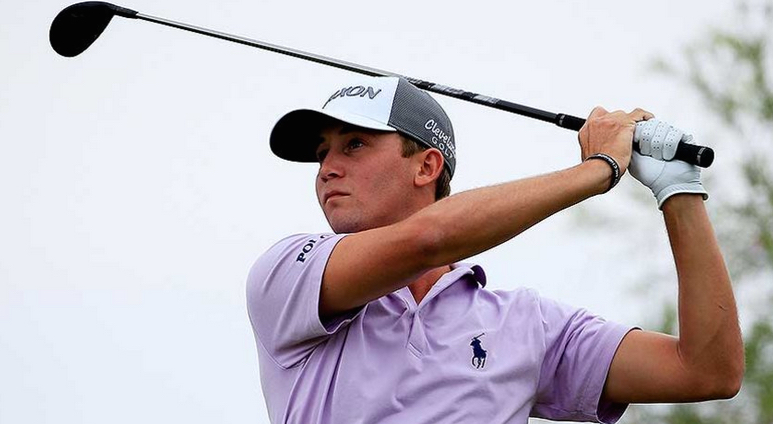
579 351
283 288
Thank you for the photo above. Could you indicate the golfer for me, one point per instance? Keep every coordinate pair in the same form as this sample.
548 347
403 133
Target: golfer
380 321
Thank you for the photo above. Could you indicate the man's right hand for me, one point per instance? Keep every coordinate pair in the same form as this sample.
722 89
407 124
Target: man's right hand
611 133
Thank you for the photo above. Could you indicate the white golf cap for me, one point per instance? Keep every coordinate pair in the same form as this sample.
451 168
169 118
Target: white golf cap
378 103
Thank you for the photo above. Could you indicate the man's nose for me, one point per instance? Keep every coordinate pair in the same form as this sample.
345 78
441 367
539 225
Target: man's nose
330 168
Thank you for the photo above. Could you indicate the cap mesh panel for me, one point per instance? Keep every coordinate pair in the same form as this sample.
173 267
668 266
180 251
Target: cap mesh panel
413 111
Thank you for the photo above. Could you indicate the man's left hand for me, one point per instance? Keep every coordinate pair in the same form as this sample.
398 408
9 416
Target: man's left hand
654 168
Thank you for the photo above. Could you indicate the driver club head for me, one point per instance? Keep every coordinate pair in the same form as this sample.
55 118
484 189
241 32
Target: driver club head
77 26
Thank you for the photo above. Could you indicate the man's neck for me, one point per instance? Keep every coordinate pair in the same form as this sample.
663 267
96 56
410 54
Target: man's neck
422 285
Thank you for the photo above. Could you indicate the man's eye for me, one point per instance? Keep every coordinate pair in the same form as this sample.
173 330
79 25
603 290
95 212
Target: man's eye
354 143
321 155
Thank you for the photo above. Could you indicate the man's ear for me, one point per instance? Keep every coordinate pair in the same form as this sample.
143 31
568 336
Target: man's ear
430 164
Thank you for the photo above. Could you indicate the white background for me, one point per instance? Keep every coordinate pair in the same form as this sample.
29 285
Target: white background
137 186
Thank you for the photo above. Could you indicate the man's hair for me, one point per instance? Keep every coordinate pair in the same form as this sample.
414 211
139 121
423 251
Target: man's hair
443 183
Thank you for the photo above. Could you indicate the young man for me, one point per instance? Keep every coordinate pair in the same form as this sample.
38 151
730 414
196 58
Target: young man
380 323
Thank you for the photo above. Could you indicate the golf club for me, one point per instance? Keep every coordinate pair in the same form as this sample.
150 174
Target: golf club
77 26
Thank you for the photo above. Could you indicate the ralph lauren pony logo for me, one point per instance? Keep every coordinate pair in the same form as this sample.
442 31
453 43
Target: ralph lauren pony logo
479 355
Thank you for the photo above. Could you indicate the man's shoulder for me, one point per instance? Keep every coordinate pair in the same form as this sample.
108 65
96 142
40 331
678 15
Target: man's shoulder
514 302
294 238
519 294
542 303
289 256
295 248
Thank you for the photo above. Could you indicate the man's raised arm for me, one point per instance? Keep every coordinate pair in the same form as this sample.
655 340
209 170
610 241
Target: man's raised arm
706 361
367 265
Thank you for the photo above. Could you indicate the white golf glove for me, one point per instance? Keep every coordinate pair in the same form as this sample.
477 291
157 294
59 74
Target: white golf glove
654 168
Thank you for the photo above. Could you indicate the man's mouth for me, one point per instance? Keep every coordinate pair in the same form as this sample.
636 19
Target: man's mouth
333 195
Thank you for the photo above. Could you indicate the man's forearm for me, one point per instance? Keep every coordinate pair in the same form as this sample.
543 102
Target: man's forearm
709 336
474 221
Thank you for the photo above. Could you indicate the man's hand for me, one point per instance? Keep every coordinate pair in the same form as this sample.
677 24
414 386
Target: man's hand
611 133
654 167
658 139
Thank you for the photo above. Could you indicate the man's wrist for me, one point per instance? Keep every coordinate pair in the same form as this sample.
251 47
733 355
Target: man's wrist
614 174
601 173
680 202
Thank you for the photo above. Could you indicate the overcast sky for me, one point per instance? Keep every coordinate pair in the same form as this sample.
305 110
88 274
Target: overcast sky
138 187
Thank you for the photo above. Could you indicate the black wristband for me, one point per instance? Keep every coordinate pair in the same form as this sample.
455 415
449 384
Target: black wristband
613 164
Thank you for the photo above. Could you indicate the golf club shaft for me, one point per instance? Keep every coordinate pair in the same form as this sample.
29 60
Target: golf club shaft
562 120
694 154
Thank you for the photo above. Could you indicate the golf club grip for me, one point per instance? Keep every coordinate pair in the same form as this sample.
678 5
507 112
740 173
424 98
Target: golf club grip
691 153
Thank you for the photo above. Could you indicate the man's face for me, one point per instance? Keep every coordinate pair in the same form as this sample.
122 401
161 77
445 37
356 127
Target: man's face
363 181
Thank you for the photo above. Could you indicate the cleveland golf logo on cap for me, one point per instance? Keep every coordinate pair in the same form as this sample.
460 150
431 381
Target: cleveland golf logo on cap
356 91
440 138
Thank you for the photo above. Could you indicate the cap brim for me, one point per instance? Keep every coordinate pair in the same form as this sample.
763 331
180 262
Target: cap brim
295 136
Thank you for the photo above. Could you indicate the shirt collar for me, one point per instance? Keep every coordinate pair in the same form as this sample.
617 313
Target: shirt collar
470 268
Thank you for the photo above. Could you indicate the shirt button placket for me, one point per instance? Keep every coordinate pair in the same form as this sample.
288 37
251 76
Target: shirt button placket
417 339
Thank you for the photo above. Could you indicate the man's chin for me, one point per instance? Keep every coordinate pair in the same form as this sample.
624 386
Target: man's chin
347 228
348 225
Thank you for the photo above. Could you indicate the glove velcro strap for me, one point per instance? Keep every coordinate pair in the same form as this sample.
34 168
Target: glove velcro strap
684 188
612 164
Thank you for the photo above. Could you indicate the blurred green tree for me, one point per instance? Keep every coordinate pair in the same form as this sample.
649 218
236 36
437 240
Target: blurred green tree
729 69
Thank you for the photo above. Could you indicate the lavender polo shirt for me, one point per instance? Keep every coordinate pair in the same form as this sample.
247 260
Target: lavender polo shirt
463 355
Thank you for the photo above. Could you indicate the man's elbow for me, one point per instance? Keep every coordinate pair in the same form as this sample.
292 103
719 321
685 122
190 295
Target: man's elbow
726 390
727 384
735 380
